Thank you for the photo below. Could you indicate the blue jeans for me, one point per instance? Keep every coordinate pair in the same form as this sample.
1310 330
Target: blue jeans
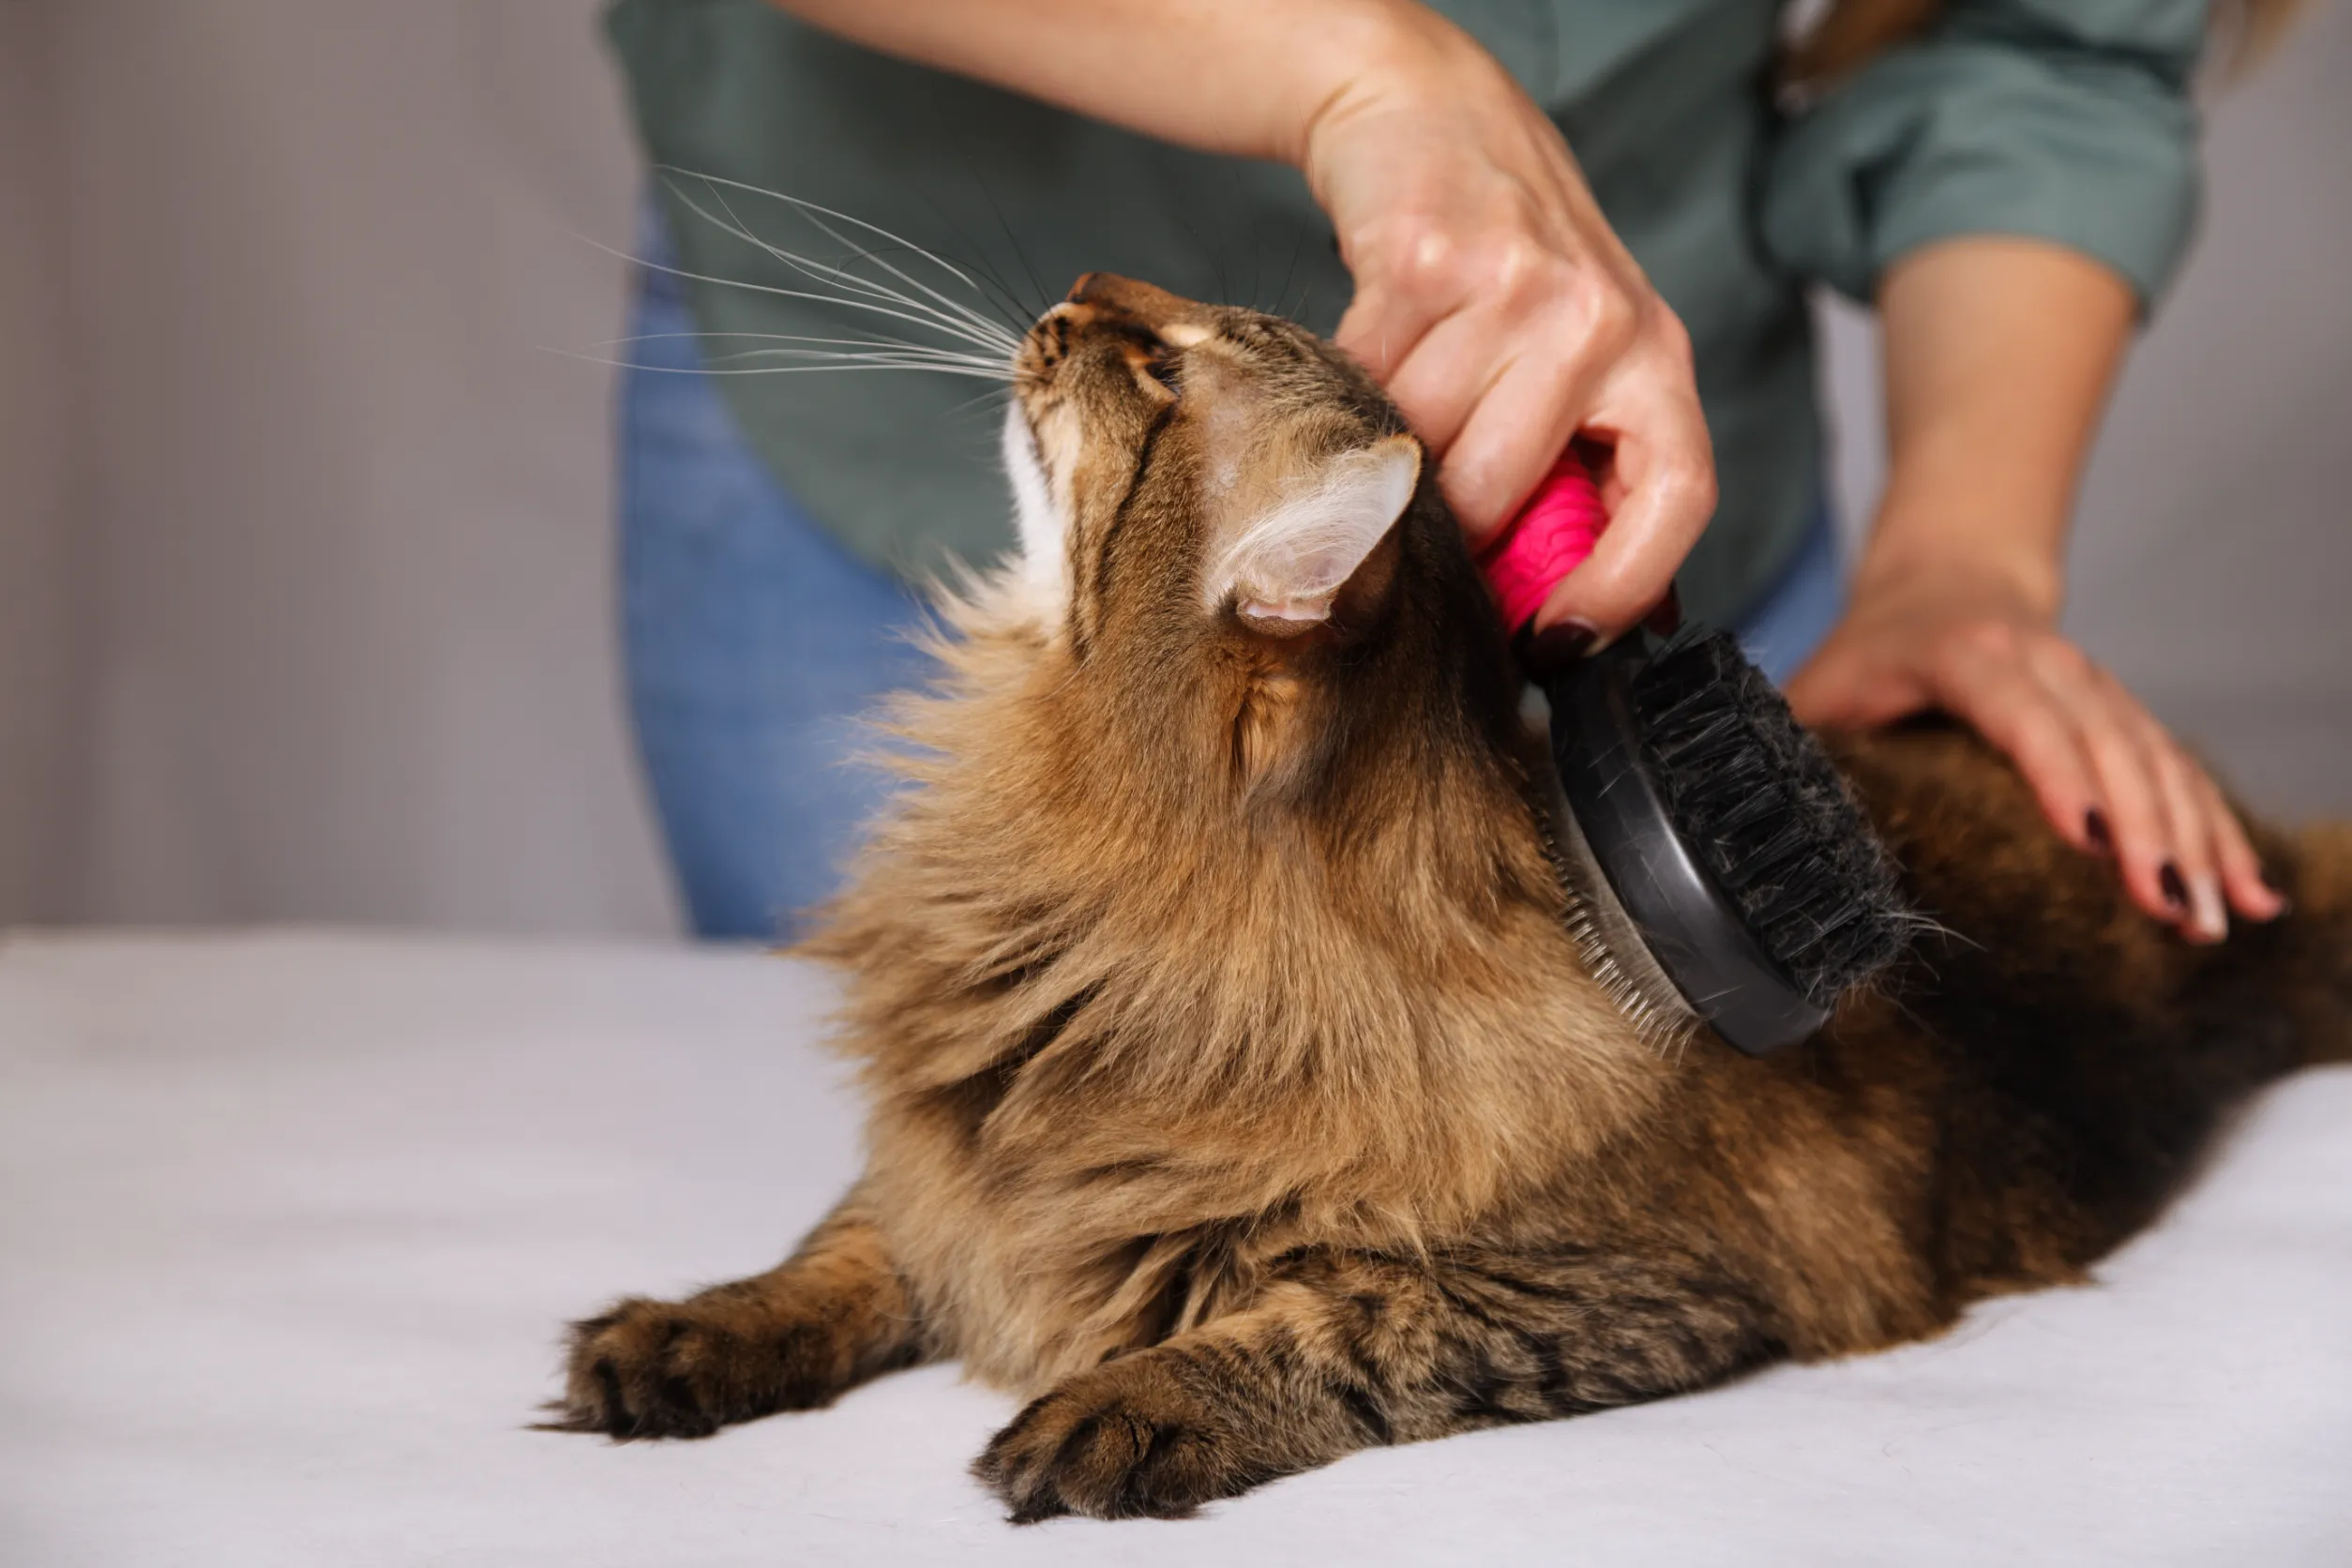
755 642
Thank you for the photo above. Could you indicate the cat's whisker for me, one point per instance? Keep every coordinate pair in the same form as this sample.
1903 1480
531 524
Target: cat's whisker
1010 238
947 315
874 351
792 293
913 310
989 399
974 371
934 258
870 361
901 345
1004 303
983 322
959 317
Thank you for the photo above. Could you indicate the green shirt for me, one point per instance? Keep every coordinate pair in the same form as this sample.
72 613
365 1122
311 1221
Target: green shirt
2068 120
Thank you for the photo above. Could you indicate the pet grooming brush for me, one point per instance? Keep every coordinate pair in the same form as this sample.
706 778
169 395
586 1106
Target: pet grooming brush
1725 874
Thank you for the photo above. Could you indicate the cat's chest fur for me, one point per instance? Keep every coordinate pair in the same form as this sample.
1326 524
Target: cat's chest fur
1137 1161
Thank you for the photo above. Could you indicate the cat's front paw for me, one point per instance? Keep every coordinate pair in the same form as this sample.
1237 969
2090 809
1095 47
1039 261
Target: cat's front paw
1141 1436
684 1369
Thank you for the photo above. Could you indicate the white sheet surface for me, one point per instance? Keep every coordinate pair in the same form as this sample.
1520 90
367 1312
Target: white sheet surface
287 1222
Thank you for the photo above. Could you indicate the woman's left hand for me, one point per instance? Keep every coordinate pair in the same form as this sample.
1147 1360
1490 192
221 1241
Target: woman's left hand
1939 635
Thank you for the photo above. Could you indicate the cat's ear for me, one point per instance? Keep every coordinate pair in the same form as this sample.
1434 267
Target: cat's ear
1290 563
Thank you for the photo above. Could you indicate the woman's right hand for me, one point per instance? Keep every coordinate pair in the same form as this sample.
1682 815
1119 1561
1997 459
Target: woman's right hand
1498 308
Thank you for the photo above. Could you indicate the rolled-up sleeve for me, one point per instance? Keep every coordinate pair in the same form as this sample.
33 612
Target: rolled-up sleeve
2064 120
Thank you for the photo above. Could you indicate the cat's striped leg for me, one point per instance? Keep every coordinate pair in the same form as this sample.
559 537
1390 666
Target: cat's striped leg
833 1314
1346 1351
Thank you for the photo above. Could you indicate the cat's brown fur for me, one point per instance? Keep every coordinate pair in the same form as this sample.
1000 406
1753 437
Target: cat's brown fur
1238 1093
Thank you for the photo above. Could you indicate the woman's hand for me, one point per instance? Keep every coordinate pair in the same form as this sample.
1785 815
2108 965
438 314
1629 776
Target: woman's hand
1979 644
1998 356
1498 308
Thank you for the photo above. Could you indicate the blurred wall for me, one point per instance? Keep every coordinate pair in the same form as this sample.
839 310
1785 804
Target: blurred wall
310 617
347 519
39 643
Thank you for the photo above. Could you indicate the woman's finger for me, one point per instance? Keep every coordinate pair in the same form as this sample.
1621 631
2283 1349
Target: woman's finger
2248 890
1511 436
1401 263
1418 267
1984 678
1380 333
1451 373
2213 865
2195 868
1665 479
2136 821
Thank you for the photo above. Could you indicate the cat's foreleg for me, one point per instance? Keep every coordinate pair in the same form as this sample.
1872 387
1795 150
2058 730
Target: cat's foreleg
1346 1351
833 1314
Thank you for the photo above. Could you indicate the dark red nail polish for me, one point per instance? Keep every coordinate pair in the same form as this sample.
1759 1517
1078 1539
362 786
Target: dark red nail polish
2095 829
2176 888
1555 648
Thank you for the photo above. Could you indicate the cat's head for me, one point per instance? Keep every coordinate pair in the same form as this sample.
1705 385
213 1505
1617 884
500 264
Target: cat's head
1227 527
1156 444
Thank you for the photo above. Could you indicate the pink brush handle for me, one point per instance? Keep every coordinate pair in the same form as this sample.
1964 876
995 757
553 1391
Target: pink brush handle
1552 535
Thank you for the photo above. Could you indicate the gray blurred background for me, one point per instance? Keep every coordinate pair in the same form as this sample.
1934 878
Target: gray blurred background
304 536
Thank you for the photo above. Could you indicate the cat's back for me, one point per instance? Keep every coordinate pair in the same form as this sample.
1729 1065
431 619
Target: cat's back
2072 1059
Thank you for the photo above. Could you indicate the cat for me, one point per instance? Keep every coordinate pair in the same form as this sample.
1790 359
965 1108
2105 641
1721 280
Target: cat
1238 1094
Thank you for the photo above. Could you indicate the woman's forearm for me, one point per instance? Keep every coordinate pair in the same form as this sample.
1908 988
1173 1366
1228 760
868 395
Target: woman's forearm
1239 77
1999 354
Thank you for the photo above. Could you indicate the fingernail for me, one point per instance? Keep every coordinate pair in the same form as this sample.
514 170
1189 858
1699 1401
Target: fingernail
1557 647
2287 905
2211 918
2175 890
2095 829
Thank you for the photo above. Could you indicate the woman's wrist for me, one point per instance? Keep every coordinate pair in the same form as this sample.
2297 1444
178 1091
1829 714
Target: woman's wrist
1959 552
1390 56
1999 354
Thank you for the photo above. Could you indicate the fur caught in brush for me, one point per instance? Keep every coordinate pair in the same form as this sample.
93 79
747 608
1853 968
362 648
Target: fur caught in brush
1238 1094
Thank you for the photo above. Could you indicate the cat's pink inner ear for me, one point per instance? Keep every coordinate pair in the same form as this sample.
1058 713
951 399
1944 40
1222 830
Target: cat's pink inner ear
1290 562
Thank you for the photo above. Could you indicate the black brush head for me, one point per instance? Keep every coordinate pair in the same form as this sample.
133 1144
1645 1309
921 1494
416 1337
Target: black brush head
1764 812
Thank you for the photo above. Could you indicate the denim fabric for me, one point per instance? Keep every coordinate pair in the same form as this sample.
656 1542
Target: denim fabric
1798 611
755 642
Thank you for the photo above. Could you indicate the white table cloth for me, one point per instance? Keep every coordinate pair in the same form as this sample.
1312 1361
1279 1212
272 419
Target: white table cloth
289 1221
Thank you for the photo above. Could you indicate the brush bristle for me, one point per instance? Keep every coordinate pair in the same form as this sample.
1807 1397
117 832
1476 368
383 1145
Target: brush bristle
1762 808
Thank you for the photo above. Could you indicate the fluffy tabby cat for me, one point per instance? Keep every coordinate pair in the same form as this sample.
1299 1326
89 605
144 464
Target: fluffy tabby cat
1238 1096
